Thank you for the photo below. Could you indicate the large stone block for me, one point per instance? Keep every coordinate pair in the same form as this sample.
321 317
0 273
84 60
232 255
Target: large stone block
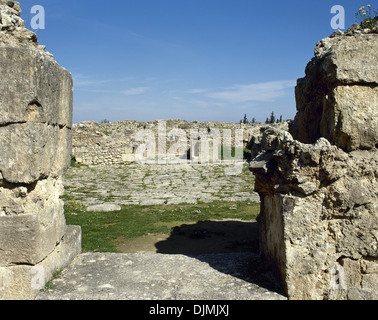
338 98
15 283
23 282
272 233
350 117
34 88
28 238
63 152
31 221
33 151
27 151
37 198
349 59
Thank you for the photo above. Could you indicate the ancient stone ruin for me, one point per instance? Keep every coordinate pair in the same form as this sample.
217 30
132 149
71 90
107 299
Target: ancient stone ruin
318 184
111 143
35 151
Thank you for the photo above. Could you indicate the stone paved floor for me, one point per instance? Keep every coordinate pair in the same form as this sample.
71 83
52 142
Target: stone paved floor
160 184
150 276
137 276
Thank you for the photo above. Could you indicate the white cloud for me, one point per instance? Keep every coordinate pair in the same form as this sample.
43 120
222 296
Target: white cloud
85 80
135 91
205 104
265 91
82 80
194 91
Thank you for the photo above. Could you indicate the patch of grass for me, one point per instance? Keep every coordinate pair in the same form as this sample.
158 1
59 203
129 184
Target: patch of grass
49 284
247 176
101 232
74 163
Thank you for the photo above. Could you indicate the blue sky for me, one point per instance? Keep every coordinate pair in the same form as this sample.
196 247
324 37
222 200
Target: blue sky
206 60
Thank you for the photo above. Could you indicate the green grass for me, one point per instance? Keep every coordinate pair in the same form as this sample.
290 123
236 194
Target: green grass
101 232
50 284
75 164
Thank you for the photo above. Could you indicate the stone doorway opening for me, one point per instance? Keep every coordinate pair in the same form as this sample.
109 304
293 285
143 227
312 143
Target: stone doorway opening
212 241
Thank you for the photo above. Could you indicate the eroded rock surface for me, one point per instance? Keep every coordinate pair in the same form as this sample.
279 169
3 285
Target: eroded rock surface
319 193
338 98
318 216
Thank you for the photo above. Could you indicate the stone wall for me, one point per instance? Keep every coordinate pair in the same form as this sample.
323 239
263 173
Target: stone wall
36 97
319 193
109 143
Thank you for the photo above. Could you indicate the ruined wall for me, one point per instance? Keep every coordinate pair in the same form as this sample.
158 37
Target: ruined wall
337 99
109 143
319 195
36 97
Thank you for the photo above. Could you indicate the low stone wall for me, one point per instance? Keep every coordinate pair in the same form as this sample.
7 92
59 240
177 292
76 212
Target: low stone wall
111 143
35 151
319 195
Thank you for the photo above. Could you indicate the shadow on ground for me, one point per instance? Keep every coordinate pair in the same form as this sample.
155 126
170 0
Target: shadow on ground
231 247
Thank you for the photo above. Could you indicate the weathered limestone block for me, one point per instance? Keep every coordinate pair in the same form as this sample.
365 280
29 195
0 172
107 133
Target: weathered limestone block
33 151
16 281
31 217
349 58
16 231
23 282
30 72
127 157
63 152
319 212
338 98
350 117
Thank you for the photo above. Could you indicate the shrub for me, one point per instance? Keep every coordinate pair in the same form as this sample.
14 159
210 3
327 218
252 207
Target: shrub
367 16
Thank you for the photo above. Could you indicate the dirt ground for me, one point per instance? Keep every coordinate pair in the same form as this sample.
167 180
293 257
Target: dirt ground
192 238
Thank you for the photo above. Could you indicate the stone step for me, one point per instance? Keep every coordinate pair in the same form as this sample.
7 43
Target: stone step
150 276
25 281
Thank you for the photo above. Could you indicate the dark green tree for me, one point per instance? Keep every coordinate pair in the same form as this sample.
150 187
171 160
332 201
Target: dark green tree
272 118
